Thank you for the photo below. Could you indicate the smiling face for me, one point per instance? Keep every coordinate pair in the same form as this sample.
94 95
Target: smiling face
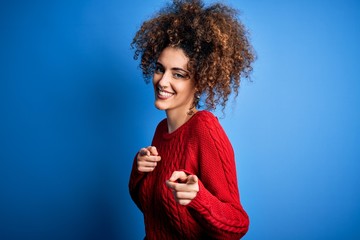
173 85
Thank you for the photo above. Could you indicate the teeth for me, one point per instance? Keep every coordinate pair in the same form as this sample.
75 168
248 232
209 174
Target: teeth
165 94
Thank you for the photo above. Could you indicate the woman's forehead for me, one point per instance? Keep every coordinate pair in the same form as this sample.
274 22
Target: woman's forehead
172 57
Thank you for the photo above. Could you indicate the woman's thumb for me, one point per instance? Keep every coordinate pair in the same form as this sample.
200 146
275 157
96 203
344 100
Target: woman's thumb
192 179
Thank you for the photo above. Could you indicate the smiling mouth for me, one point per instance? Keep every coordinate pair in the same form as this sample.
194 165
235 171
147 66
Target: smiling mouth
164 94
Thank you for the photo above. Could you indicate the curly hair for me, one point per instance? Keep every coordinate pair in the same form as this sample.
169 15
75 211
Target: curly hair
213 39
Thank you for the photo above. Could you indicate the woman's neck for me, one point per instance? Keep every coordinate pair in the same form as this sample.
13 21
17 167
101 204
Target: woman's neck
176 119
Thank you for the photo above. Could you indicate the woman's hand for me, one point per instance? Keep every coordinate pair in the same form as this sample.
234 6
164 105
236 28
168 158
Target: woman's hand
184 187
147 159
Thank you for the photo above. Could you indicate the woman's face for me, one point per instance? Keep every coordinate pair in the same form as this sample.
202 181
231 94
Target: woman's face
173 85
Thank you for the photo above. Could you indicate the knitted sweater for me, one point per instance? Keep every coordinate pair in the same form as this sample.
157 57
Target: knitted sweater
200 147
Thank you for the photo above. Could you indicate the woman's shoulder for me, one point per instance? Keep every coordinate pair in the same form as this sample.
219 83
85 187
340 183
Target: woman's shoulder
205 117
205 122
207 128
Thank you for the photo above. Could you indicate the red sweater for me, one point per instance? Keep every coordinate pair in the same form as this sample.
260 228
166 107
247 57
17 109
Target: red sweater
200 147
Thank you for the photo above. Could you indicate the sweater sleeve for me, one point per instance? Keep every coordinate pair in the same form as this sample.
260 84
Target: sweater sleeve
134 183
217 205
137 177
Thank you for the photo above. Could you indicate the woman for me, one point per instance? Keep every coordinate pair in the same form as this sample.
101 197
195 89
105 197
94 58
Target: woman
185 182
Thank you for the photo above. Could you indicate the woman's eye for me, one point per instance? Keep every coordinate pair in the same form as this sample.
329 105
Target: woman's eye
178 75
159 69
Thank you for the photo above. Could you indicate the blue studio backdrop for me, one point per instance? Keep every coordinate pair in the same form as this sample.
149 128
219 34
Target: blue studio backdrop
74 110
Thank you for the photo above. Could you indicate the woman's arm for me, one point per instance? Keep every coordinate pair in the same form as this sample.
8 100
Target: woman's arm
145 161
217 206
134 183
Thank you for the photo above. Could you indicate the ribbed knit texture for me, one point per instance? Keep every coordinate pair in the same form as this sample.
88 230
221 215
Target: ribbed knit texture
200 147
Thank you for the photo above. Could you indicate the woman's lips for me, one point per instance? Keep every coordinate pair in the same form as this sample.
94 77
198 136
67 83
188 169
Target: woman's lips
164 94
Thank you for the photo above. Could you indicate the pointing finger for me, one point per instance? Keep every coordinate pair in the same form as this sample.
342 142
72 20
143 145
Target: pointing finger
153 158
181 187
170 184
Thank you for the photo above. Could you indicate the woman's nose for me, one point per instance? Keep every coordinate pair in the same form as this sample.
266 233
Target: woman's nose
164 80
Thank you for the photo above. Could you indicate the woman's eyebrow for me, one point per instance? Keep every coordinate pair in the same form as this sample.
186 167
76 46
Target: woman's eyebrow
174 68
158 64
179 69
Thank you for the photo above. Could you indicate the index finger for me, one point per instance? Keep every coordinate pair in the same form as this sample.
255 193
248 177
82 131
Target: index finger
179 187
153 158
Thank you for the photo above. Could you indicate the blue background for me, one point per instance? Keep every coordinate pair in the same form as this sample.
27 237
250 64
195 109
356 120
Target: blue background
74 110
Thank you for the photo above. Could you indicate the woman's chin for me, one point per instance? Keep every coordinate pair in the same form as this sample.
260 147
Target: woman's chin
159 106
